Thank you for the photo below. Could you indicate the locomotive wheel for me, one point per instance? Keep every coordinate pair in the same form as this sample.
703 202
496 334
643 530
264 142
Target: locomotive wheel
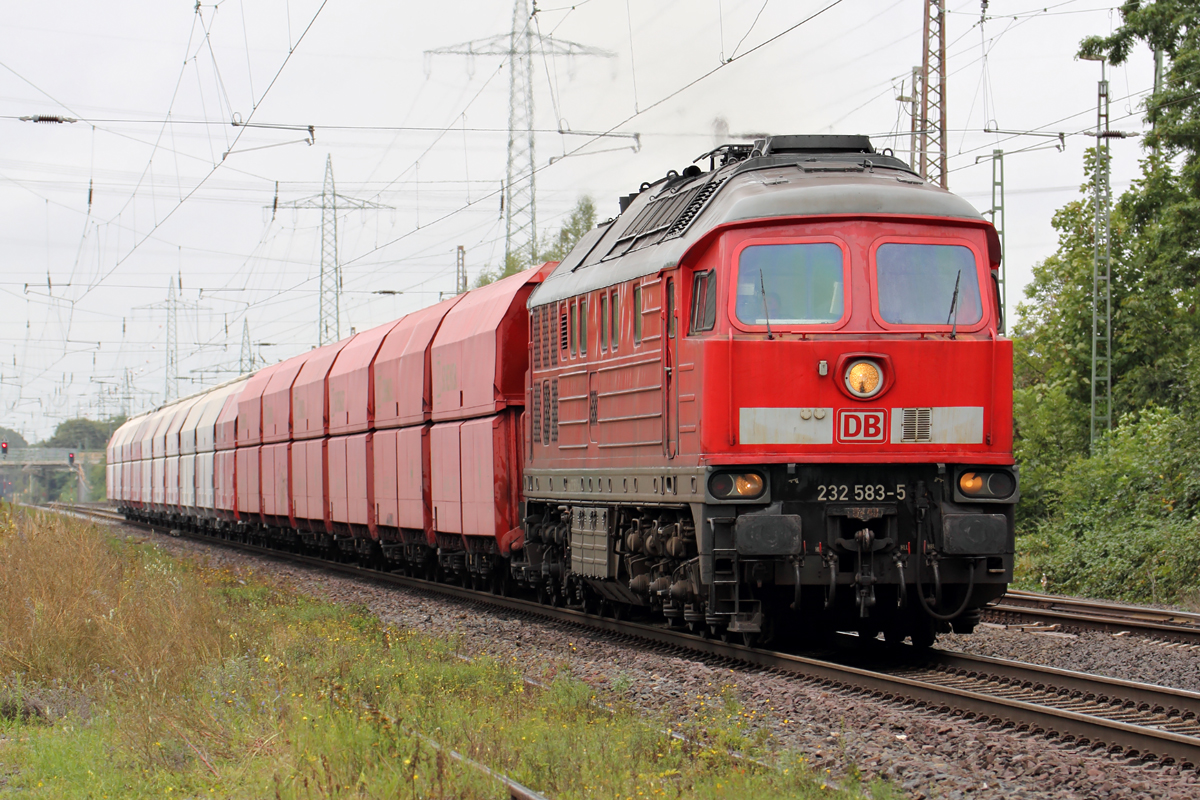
893 635
923 633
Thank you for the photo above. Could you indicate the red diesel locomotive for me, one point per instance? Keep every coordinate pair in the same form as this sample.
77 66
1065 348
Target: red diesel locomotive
770 398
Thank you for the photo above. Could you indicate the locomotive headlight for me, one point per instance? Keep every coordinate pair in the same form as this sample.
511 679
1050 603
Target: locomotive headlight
736 485
991 485
864 378
971 483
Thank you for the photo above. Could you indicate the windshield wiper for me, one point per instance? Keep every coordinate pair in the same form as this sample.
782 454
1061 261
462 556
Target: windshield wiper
766 313
954 308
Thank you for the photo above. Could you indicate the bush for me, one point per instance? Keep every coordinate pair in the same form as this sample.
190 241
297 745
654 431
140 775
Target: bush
1123 522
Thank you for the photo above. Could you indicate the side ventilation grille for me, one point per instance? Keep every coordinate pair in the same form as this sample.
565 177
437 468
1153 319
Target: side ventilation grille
554 410
535 321
917 424
535 412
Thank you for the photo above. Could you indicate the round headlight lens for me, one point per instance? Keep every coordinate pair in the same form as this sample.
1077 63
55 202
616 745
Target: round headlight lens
971 483
1000 484
864 378
748 485
721 485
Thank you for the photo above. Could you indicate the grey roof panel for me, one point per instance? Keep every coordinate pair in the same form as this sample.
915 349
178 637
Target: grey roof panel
795 189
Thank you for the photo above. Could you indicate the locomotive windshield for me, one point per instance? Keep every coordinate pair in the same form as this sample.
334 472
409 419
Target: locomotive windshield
916 284
802 284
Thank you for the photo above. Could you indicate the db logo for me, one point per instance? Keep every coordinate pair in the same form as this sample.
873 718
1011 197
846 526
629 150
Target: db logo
862 426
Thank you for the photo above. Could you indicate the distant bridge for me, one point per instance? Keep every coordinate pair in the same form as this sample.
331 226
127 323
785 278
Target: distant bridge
51 457
22 470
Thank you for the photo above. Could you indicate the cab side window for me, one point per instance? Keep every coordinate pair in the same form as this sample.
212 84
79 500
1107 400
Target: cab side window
637 314
704 302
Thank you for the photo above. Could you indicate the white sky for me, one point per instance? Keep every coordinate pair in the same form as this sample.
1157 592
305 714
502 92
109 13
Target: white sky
83 291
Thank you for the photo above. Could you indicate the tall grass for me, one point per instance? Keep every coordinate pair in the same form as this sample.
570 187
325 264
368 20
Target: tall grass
210 683
79 607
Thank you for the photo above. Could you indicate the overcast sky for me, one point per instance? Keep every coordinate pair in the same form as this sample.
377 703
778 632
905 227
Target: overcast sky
153 181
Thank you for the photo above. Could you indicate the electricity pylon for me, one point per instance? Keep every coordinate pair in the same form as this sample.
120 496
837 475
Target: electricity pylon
932 141
1101 273
460 271
329 323
518 46
246 362
171 389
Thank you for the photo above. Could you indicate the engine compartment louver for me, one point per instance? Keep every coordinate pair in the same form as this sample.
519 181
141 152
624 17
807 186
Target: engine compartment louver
664 217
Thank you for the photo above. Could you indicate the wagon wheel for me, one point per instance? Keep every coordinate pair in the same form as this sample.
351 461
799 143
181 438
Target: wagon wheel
749 639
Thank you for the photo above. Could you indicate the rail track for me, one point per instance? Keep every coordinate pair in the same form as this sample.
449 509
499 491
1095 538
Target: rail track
1134 719
1073 613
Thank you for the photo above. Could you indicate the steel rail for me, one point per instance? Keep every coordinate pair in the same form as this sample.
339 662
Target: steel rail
1081 614
1075 707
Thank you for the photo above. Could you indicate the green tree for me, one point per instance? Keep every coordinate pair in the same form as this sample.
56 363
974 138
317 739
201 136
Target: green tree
1159 314
13 438
83 434
581 220
1122 518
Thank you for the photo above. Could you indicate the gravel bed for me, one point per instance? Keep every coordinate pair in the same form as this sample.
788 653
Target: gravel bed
1130 657
926 754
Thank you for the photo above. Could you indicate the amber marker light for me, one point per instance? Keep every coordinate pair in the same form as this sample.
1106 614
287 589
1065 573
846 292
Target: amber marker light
736 485
864 378
970 483
748 485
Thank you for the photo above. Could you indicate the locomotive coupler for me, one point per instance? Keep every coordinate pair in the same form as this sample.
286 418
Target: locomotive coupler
864 579
865 545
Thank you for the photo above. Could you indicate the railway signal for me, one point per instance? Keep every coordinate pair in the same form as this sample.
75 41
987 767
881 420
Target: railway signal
4 448
71 459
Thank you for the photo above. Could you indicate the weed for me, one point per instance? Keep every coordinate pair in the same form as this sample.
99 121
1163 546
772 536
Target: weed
208 683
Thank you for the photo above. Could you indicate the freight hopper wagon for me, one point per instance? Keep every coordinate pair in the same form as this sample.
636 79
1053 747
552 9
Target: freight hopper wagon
771 397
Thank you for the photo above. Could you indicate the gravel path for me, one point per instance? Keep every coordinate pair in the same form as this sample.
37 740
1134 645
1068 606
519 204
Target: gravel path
926 754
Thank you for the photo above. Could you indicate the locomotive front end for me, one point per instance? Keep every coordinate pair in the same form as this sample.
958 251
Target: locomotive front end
774 398
857 427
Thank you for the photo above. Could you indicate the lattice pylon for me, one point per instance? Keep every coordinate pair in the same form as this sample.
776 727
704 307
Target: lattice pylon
246 362
520 215
329 325
171 387
932 134
1101 407
329 308
518 45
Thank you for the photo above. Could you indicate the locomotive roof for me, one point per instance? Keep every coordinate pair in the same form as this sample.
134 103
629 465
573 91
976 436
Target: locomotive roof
777 177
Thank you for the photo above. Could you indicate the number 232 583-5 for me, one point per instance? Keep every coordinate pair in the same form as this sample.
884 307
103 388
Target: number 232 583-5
859 492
